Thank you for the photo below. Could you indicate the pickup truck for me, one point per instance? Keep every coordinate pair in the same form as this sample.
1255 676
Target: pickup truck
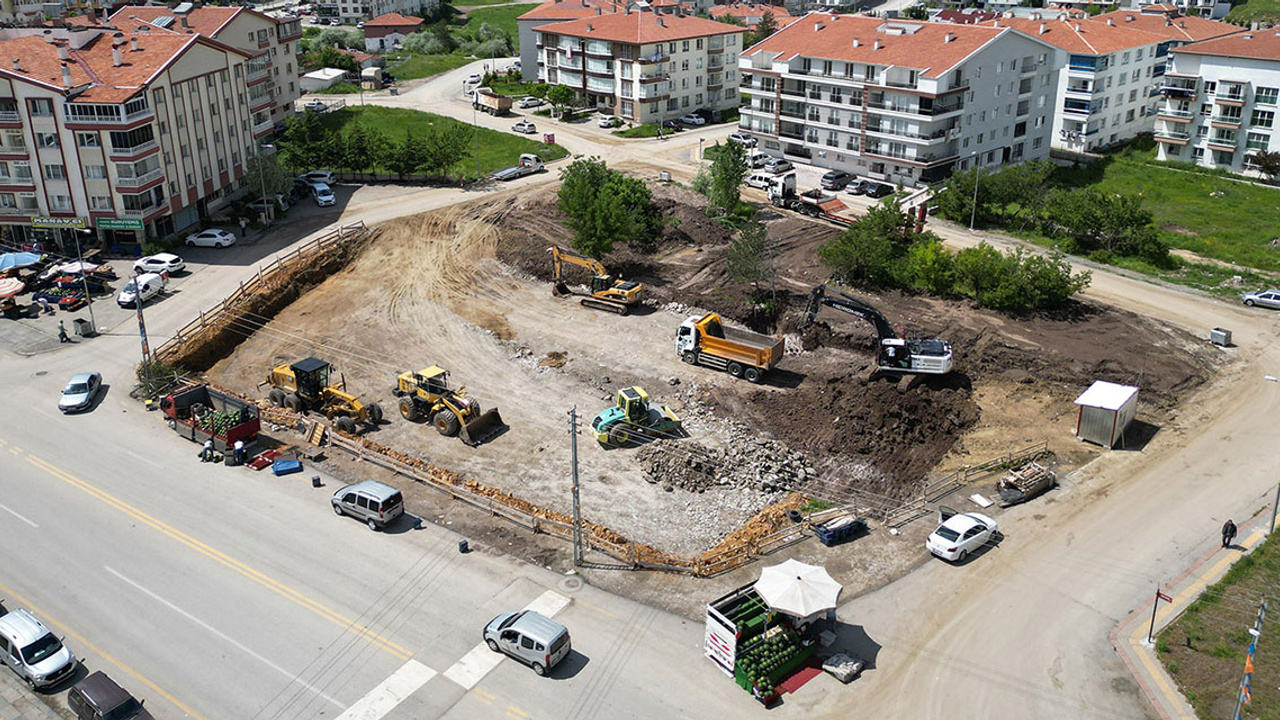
200 413
529 164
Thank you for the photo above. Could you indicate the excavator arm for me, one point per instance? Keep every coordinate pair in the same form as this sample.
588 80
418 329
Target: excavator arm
561 255
823 295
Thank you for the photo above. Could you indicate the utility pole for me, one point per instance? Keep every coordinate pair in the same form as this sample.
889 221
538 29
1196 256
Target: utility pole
1255 631
577 513
142 332
1274 507
977 174
84 277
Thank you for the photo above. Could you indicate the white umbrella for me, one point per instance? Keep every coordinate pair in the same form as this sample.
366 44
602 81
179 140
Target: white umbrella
798 589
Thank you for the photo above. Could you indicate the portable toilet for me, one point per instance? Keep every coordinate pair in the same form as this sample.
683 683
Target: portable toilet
1106 409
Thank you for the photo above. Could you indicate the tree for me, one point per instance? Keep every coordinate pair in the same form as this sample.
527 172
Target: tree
872 249
328 57
265 177
728 168
750 256
304 141
364 149
560 96
329 37
604 207
1111 223
916 12
445 146
930 267
406 157
1268 161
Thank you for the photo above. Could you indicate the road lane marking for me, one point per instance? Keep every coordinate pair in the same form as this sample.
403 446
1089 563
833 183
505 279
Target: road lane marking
482 696
100 652
225 560
15 450
390 692
480 660
20 517
515 712
602 611
140 458
223 636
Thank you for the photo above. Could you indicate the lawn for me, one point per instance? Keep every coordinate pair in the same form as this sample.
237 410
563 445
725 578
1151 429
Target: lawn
408 66
512 88
477 3
1204 650
639 131
497 149
1267 11
502 16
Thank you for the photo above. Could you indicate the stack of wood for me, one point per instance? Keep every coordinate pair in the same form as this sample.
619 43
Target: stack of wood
1023 483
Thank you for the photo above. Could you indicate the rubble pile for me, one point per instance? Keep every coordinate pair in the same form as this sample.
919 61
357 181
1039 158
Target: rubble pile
755 464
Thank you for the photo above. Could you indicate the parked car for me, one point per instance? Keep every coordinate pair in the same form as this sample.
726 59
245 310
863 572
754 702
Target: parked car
151 284
34 653
516 66
387 78
316 105
324 195
672 125
760 180
473 79
692 119
324 21
319 176
213 237
609 121
1265 298
98 697
879 190
80 392
858 187
836 180
777 166
529 101
743 139
757 159
530 637
159 263
960 535
377 504
525 127
360 26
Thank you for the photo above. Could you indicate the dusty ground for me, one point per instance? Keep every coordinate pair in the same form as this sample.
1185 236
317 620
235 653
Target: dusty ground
464 287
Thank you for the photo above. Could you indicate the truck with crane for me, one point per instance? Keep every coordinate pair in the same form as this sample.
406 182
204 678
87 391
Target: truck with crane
742 353
896 354
607 292
528 165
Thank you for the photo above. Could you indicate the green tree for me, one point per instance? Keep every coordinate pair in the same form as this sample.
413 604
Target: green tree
728 168
265 177
328 57
560 96
1268 161
364 149
980 271
916 12
349 39
871 250
767 26
750 256
930 267
1094 221
445 146
604 206
304 142
407 156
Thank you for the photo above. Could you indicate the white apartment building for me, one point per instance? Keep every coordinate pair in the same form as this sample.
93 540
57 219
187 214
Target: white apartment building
1208 9
351 11
643 66
553 11
274 43
900 101
132 134
1220 101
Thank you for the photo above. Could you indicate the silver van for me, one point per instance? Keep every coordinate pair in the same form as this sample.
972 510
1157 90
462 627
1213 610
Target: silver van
33 652
371 501
530 637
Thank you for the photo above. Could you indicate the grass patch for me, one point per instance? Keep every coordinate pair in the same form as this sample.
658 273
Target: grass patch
502 16
814 506
1250 10
1204 649
639 131
342 88
497 149
408 66
512 88
477 3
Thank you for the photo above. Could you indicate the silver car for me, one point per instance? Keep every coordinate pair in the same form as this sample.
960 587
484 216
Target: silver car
1265 298
530 637
377 504
80 392
34 653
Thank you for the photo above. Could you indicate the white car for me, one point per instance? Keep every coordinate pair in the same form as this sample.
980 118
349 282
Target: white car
609 121
529 102
526 127
324 195
777 166
960 535
318 176
151 285
159 263
213 237
473 79
743 139
316 105
692 120
761 180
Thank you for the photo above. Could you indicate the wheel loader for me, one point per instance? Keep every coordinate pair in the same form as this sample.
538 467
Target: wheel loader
426 394
307 385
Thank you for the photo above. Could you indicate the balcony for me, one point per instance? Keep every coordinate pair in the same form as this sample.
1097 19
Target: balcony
135 150
1176 138
646 78
262 128
651 59
1231 122
792 113
1171 115
1181 87
1232 98
9 116
1221 143
1080 90
140 180
598 51
142 212
96 120
791 134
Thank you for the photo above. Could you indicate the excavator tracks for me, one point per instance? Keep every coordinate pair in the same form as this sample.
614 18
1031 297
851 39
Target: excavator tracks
605 305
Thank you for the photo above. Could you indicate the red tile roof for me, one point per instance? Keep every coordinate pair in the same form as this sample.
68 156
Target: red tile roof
1081 37
641 27
358 56
962 17
208 20
923 46
1259 44
560 10
746 10
394 20
1186 29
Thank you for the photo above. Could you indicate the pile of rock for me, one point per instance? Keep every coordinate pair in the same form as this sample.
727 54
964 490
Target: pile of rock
755 464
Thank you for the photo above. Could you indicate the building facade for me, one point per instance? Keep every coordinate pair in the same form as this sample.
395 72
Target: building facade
552 11
1219 102
900 101
385 32
643 66
351 11
133 135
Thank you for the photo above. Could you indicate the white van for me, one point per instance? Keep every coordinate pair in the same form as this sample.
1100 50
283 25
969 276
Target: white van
147 285
759 179
30 650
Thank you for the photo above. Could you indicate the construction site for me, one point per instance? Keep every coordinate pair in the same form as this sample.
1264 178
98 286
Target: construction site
453 314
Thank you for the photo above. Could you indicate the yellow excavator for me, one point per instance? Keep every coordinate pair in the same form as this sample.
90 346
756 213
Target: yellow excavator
307 385
426 394
608 292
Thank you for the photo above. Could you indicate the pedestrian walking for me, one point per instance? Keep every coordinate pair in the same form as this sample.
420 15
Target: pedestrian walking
45 307
206 453
244 232
239 452
62 333
1228 533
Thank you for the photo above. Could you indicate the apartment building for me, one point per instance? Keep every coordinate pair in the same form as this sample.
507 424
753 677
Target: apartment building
752 13
1219 101
274 44
553 11
1208 9
900 101
1172 24
352 11
643 66
132 134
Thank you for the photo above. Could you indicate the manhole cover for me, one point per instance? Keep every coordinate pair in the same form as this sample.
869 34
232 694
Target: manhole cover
42 372
571 584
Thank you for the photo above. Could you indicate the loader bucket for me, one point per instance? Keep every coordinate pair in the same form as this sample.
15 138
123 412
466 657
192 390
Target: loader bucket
483 429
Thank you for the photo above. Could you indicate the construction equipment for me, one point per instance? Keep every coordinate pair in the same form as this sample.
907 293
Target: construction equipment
742 353
608 292
633 418
426 394
308 385
896 354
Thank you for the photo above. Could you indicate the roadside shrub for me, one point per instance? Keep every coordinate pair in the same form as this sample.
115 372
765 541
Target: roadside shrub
930 267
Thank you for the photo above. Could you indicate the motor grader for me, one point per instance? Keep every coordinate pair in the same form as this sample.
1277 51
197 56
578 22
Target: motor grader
426 394
307 385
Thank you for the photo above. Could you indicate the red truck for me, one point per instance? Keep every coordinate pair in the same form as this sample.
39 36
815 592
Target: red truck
200 413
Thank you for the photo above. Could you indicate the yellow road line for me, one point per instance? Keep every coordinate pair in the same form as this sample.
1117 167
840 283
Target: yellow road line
589 606
99 651
223 559
487 699
515 712
15 450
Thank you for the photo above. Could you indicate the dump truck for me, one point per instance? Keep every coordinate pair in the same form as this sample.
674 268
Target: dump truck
199 413
633 417
741 353
426 394
491 102
817 203
529 164
307 385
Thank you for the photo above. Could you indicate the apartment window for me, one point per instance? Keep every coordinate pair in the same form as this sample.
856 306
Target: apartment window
222 165
684 101
222 74
699 44
237 71
1206 109
698 99
1202 131
95 172
1124 79
671 47
981 136
168 158
1257 141
1133 95
1139 57
14 139
1128 117
217 137
684 46
698 64
182 121
213 109
41 107
7 200
1262 118
191 179
164 128
1211 87
46 140
1036 142
88 139
185 151
173 188
55 172
196 116
1266 96
100 202
177 92
697 80
27 201
21 170
60 203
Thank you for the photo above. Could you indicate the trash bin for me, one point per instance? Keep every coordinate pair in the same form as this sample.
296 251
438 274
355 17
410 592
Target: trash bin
395 90
83 327
1220 336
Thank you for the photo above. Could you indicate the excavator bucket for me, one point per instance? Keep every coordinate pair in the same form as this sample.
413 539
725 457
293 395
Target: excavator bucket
483 429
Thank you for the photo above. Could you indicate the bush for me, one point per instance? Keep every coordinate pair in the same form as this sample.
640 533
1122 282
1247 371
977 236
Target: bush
1017 280
930 267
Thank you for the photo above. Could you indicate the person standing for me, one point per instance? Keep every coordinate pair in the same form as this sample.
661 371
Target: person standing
62 333
244 225
1228 533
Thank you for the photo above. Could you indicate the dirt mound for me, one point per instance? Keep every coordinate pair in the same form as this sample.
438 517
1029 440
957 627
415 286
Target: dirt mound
757 464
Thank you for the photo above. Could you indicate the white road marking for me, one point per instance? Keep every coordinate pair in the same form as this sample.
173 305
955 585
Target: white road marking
140 458
23 519
390 692
480 660
223 636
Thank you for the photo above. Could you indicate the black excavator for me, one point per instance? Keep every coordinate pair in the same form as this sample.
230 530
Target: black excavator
897 354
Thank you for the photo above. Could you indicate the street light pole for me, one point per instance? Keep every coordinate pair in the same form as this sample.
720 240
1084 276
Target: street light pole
262 183
977 174
475 131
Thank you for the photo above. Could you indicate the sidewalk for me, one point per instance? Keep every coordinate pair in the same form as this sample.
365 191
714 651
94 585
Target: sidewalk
1129 636
19 703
